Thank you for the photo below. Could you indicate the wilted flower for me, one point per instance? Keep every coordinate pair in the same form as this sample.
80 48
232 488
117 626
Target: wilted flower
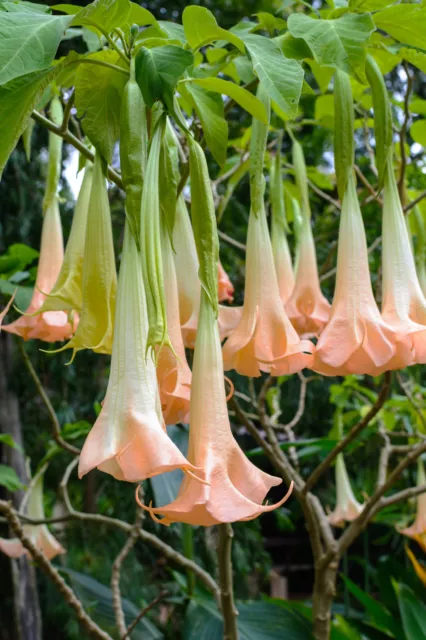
49 326
129 439
67 291
356 338
417 530
347 507
403 303
189 287
39 534
225 287
231 488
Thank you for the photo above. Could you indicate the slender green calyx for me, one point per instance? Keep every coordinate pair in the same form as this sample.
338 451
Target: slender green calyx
382 117
204 222
344 144
259 138
169 178
133 149
55 155
301 178
150 245
279 217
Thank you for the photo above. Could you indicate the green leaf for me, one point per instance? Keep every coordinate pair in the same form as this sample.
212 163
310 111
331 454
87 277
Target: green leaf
28 43
209 108
98 93
281 77
16 258
6 438
418 132
25 6
417 58
158 71
364 6
340 44
413 613
104 15
17 100
140 16
23 294
418 106
244 98
201 29
405 22
9 478
377 612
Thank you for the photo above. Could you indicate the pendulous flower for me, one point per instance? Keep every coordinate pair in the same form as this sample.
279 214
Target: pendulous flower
129 439
39 534
417 530
347 507
231 487
356 338
225 287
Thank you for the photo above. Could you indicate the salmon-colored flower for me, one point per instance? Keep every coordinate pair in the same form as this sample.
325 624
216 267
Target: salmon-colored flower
232 488
356 338
225 287
67 291
129 439
189 287
417 530
264 339
403 303
307 307
173 372
39 534
347 507
49 326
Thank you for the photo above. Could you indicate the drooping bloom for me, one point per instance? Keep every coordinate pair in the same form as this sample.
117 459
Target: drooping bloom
403 303
129 439
95 328
225 287
417 530
356 338
307 307
264 339
67 291
347 507
232 488
173 372
189 288
49 326
39 534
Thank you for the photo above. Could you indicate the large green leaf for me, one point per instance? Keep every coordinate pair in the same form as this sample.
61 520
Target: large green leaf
17 100
244 98
379 615
201 28
209 108
105 15
28 42
413 613
404 22
25 6
98 93
340 43
281 76
158 71
418 132
9 479
415 57
362 6
6 438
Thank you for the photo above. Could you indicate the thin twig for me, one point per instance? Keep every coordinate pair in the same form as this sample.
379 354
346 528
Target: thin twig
413 203
229 610
231 241
69 596
143 613
50 410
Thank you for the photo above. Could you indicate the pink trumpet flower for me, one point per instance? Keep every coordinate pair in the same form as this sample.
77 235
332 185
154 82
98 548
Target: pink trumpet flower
417 530
39 534
264 339
356 338
347 507
49 326
307 307
225 287
189 287
173 372
403 303
129 439
231 487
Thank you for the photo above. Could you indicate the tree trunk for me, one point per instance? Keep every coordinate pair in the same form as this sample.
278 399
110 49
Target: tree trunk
324 593
26 602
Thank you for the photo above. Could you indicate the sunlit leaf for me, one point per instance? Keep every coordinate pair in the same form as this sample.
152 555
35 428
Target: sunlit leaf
201 29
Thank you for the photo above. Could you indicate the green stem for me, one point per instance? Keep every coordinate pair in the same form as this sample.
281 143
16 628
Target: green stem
101 63
229 612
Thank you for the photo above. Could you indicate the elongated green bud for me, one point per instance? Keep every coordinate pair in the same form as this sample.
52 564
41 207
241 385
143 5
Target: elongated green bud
344 145
133 149
204 222
301 178
382 117
259 138
55 155
277 194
